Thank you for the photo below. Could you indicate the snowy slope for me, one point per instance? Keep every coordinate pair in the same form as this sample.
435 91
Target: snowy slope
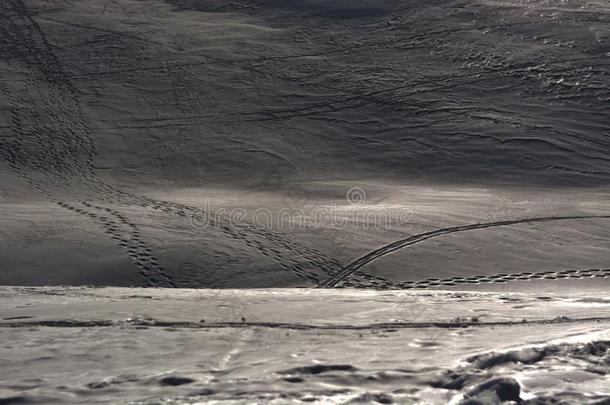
124 122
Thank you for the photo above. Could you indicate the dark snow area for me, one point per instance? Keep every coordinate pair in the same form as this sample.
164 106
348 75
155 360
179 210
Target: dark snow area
127 125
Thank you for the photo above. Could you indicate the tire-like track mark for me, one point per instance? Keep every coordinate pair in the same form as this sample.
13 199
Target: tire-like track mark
353 267
382 284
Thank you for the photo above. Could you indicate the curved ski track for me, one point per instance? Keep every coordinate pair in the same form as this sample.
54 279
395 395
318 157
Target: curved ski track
411 240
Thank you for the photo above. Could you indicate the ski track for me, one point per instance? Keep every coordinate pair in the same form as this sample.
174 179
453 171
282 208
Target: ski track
412 240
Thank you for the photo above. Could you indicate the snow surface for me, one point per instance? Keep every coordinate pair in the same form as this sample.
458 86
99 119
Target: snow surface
121 120
293 346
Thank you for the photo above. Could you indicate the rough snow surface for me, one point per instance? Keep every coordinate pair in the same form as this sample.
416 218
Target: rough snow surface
295 346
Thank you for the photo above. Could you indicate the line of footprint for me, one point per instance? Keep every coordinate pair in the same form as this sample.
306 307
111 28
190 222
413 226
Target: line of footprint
48 154
127 235
42 164
380 283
